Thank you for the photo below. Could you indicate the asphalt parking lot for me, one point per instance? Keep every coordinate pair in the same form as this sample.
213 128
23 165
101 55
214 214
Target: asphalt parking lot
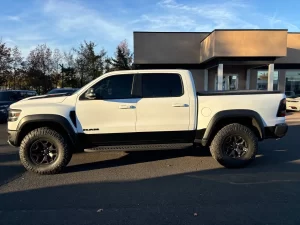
169 187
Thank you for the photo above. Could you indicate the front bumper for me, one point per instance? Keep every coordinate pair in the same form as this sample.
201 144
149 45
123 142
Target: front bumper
12 137
277 131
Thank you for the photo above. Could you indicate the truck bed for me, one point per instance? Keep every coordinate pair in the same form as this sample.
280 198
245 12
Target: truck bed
265 103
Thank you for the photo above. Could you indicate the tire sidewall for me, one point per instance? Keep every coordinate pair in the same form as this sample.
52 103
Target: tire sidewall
27 161
228 161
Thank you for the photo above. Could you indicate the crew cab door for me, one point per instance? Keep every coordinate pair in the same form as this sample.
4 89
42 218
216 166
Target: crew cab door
107 108
164 109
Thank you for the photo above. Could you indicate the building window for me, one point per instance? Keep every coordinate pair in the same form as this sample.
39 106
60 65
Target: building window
262 80
230 82
292 82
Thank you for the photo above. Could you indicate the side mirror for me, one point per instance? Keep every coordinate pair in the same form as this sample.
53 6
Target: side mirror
90 94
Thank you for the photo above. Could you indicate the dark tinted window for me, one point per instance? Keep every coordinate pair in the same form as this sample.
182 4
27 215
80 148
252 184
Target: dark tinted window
10 96
58 91
15 95
161 85
4 96
31 93
26 94
114 87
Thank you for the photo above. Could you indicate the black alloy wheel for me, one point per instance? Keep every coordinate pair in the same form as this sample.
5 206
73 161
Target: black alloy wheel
235 146
43 152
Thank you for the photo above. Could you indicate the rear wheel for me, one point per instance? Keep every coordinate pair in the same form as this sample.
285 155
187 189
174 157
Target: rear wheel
44 151
234 146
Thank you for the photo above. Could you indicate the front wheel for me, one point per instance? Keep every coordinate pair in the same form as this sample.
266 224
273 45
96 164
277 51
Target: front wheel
234 146
44 151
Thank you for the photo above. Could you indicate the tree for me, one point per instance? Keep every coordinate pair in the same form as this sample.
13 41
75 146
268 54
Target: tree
89 64
56 75
40 67
5 62
17 61
68 70
123 57
69 77
107 65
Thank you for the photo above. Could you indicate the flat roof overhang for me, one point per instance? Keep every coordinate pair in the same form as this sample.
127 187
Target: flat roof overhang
233 61
244 45
238 61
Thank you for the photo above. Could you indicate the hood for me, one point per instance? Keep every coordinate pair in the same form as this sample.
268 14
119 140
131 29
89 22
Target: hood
42 99
49 97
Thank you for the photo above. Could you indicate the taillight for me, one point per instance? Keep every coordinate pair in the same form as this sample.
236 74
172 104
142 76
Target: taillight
282 108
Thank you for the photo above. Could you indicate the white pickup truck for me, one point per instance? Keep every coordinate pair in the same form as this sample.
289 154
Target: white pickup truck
144 110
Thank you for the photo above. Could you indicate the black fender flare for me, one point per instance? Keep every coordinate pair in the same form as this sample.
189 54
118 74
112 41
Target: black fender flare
230 114
41 118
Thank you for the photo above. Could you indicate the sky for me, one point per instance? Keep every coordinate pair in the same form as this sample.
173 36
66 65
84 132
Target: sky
64 24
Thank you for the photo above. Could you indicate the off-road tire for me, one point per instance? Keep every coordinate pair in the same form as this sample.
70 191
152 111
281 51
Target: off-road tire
246 133
64 153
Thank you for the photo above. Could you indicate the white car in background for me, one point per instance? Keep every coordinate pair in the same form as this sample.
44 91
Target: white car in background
292 101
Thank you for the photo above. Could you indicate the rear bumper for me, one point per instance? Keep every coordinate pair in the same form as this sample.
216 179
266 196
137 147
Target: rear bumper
277 131
12 137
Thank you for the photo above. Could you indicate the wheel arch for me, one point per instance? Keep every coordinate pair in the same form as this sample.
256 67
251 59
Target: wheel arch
245 117
55 122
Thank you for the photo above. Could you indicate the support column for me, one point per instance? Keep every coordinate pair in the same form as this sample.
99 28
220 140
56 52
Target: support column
220 77
270 77
281 80
227 83
248 79
205 80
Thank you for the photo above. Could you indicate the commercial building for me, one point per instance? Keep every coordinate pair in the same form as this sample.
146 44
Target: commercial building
226 59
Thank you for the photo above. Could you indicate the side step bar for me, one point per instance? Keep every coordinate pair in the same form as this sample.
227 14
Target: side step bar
147 147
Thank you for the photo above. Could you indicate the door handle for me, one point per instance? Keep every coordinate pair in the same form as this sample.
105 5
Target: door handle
180 105
126 107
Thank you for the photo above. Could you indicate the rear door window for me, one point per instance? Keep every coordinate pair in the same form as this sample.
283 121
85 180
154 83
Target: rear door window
161 85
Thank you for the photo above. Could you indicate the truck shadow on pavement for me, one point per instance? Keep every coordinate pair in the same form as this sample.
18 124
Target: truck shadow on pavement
271 153
134 157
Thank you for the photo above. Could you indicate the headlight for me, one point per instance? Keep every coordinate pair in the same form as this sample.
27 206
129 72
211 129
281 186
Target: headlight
13 114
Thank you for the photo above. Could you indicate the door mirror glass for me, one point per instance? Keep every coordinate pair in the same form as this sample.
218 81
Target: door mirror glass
90 94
